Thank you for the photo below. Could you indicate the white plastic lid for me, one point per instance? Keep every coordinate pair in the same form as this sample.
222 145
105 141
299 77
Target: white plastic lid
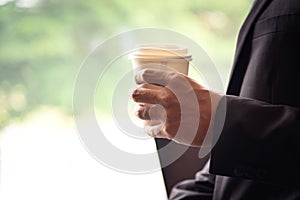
160 51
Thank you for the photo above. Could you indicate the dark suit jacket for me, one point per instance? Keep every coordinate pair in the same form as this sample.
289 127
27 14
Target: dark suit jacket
257 155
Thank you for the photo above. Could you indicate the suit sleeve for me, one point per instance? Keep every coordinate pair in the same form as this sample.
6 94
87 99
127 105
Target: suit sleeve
202 187
259 141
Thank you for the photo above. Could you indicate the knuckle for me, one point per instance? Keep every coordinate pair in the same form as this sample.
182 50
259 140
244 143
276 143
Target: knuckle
176 77
173 74
169 101
164 99
165 95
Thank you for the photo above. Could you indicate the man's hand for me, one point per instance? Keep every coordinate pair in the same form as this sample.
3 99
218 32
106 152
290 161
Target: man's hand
183 106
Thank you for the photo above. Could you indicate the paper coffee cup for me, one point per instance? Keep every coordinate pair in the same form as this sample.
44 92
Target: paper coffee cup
161 56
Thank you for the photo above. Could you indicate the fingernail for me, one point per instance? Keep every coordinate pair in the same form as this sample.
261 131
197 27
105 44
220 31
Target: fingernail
134 94
130 92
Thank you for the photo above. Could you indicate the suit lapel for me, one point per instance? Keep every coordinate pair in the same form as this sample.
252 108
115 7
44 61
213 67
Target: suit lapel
243 48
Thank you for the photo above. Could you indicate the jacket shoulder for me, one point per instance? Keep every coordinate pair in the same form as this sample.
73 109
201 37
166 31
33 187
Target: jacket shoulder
279 8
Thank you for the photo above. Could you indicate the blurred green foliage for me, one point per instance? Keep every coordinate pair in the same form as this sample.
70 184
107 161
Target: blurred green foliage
42 43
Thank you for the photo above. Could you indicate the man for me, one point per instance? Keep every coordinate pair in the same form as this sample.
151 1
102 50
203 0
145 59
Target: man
257 155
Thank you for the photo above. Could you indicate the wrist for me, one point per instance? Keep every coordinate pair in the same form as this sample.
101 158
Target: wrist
207 143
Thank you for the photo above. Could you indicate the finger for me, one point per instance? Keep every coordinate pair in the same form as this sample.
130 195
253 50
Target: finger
150 112
154 76
154 131
150 86
145 95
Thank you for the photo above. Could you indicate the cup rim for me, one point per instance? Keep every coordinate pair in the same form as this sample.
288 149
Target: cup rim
161 50
160 58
